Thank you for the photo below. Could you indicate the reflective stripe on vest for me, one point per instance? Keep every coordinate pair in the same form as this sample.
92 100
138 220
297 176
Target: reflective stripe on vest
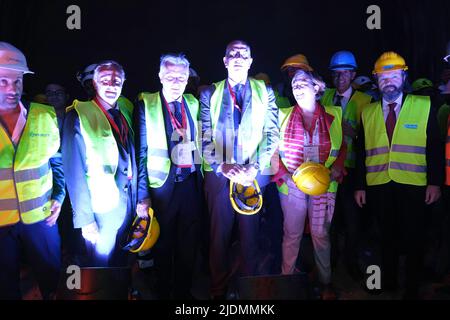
158 160
405 160
447 154
26 180
351 115
251 129
102 155
335 136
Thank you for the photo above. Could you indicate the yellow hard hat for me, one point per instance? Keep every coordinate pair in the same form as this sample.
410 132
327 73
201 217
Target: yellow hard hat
144 233
246 200
312 178
389 61
297 61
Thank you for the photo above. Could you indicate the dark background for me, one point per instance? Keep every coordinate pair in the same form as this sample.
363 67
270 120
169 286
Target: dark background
136 33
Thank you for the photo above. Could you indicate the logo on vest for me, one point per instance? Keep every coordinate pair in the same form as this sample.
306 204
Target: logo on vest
34 134
410 126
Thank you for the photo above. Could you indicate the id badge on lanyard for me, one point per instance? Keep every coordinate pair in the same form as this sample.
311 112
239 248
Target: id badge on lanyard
311 149
183 154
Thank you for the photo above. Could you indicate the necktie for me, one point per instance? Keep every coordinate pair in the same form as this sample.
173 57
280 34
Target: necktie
115 113
177 112
390 121
238 94
338 100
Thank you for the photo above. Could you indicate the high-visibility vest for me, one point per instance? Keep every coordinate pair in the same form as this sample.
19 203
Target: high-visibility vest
352 115
447 154
26 179
280 101
102 153
404 161
335 136
250 132
158 160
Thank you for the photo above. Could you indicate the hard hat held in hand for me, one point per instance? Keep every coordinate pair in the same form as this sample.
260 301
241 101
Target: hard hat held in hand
144 233
312 178
246 200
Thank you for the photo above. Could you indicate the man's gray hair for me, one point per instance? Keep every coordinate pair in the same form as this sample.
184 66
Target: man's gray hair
173 60
109 65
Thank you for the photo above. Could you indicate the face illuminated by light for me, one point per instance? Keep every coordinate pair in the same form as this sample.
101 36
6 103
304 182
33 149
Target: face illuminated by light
108 84
342 79
238 61
174 79
391 84
304 91
11 87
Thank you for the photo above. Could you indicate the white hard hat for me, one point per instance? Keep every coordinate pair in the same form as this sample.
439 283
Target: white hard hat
87 73
12 58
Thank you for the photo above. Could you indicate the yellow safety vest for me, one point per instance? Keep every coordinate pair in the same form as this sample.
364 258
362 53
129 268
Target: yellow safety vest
158 160
405 160
102 153
352 115
26 179
252 124
335 136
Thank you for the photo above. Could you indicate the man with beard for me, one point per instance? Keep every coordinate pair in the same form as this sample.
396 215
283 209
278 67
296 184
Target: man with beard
99 162
400 167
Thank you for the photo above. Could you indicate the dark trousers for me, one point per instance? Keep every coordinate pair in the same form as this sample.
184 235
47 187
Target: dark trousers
400 213
222 221
41 246
346 219
177 246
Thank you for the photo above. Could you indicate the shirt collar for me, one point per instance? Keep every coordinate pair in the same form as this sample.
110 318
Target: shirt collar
347 94
398 101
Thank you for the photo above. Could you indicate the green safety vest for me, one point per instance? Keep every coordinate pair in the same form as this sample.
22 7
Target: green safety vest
252 124
335 136
405 160
352 115
26 179
158 160
102 153
280 101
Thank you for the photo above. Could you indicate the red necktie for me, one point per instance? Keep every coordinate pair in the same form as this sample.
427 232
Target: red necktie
390 121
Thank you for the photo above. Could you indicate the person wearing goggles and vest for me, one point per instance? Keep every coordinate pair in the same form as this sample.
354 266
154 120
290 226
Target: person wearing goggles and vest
31 182
240 135
309 132
170 178
99 162
399 169
347 216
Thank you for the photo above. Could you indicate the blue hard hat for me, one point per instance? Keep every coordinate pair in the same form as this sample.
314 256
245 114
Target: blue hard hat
343 60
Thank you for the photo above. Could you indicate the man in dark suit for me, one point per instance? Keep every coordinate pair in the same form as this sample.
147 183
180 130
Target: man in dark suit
170 176
99 163
240 135
399 163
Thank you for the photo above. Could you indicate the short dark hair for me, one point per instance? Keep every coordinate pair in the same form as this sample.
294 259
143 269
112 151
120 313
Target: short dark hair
109 65
232 43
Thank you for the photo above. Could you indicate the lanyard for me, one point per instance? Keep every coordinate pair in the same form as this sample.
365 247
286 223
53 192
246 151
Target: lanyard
112 122
233 96
179 127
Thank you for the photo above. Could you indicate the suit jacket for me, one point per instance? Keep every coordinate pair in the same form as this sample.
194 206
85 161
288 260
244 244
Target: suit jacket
226 121
75 169
160 197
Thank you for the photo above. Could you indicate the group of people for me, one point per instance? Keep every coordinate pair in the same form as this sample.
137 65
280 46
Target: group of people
178 154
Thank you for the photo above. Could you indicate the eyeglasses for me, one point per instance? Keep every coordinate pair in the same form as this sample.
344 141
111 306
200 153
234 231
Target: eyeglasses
243 54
